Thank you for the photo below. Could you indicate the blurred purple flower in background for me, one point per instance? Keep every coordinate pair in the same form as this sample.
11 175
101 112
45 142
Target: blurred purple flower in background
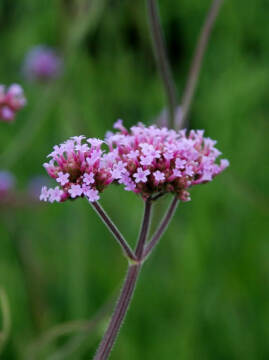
11 100
42 64
7 183
35 184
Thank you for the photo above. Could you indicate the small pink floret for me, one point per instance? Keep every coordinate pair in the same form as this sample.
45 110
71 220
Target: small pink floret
44 194
159 176
180 164
92 195
75 191
141 175
88 178
55 194
63 178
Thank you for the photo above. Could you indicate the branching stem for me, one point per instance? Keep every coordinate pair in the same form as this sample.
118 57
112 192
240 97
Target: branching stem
159 232
144 229
114 230
110 336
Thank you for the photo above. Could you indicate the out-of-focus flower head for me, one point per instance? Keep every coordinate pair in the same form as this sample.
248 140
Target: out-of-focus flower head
152 160
7 183
43 64
11 101
80 168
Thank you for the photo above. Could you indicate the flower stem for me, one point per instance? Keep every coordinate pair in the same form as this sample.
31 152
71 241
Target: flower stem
159 232
162 59
144 229
198 58
123 303
114 230
109 338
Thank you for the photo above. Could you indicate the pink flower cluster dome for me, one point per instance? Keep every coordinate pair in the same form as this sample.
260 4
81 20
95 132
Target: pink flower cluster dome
11 101
79 168
154 160
149 161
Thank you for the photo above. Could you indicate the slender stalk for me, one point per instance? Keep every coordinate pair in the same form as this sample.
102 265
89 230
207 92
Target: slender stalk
109 338
159 232
198 58
144 229
162 59
114 230
157 196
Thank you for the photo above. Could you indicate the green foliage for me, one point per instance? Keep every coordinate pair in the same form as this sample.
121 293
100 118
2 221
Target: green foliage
203 293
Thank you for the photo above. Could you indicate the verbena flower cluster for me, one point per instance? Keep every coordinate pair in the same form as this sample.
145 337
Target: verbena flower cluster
80 169
42 64
11 101
146 160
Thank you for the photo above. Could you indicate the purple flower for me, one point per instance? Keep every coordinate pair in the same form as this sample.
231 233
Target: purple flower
7 114
44 194
180 164
42 63
62 178
7 182
11 101
88 178
159 176
176 173
92 195
75 190
141 175
55 194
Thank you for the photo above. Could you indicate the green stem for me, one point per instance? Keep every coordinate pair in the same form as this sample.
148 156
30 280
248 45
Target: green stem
198 58
162 59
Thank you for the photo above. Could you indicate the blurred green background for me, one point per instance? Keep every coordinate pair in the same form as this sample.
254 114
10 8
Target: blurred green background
204 292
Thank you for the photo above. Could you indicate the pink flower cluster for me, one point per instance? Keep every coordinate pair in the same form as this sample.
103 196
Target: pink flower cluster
147 160
80 169
151 160
11 101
